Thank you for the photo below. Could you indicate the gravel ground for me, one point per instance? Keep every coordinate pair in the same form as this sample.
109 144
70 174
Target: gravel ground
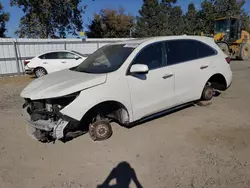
196 147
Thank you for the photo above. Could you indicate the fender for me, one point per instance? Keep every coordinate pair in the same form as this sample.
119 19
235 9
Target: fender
87 100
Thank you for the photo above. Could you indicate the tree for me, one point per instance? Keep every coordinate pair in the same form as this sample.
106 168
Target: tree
191 21
30 27
111 24
176 22
4 17
169 3
207 16
226 8
154 18
245 21
147 22
49 18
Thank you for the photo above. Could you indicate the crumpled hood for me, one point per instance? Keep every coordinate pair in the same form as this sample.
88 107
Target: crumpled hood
61 83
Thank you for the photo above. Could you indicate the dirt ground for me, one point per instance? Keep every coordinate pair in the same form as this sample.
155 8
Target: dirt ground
196 147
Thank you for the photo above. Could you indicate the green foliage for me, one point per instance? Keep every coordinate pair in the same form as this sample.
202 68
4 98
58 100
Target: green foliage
111 24
207 15
155 19
229 7
192 21
148 23
176 21
49 18
4 17
164 18
245 21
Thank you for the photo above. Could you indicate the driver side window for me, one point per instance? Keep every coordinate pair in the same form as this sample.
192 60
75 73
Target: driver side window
152 56
66 55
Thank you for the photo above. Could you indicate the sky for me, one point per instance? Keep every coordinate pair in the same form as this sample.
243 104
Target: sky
131 6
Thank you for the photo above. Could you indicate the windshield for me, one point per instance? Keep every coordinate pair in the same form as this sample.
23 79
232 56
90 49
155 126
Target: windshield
106 59
221 26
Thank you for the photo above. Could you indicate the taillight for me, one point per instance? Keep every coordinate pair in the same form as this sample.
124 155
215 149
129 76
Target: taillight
228 60
26 62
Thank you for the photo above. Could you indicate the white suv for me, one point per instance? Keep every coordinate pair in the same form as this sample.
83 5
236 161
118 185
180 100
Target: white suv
125 82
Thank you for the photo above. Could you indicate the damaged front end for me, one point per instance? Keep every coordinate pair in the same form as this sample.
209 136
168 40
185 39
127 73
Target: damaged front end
45 122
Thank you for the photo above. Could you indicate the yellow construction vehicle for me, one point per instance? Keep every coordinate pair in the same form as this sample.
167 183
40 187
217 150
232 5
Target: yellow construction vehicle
232 38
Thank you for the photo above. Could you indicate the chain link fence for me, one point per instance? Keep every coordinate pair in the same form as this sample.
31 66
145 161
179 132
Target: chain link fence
14 51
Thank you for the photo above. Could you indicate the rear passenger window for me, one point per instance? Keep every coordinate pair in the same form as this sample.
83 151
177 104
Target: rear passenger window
178 51
65 55
42 57
205 50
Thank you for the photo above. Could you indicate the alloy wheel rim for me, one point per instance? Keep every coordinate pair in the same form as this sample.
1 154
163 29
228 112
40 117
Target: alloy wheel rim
40 73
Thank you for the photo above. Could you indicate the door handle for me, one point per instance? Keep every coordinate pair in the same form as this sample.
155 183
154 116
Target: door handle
167 75
64 62
204 67
45 63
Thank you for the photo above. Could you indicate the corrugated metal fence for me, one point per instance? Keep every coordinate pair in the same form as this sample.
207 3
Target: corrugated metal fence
14 51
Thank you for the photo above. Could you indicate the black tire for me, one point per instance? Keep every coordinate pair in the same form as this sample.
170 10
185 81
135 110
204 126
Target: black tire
100 130
224 48
244 51
39 72
207 93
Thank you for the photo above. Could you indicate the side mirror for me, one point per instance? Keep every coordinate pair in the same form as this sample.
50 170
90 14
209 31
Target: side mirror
139 68
77 57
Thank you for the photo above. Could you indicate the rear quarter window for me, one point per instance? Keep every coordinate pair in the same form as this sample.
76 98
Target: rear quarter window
42 57
205 50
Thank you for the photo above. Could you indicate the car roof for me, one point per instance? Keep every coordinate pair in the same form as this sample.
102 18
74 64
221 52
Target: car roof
51 51
164 38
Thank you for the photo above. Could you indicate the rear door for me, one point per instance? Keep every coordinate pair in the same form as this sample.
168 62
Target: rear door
191 64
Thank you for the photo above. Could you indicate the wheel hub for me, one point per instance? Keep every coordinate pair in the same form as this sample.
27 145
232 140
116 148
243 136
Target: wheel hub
40 73
209 93
101 130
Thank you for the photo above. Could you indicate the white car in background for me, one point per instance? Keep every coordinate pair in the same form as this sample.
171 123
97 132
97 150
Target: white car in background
125 82
53 61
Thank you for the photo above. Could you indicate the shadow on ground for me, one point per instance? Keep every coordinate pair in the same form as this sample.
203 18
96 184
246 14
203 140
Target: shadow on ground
123 174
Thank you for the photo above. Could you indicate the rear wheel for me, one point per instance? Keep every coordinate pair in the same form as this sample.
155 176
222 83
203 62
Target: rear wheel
244 51
224 48
39 72
207 93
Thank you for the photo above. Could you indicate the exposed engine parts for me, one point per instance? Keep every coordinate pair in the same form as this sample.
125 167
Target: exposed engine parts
45 120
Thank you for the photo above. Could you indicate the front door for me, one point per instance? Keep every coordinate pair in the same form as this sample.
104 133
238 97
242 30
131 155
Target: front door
69 60
154 91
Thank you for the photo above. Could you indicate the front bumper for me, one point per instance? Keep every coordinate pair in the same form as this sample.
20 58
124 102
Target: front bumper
44 125
46 128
